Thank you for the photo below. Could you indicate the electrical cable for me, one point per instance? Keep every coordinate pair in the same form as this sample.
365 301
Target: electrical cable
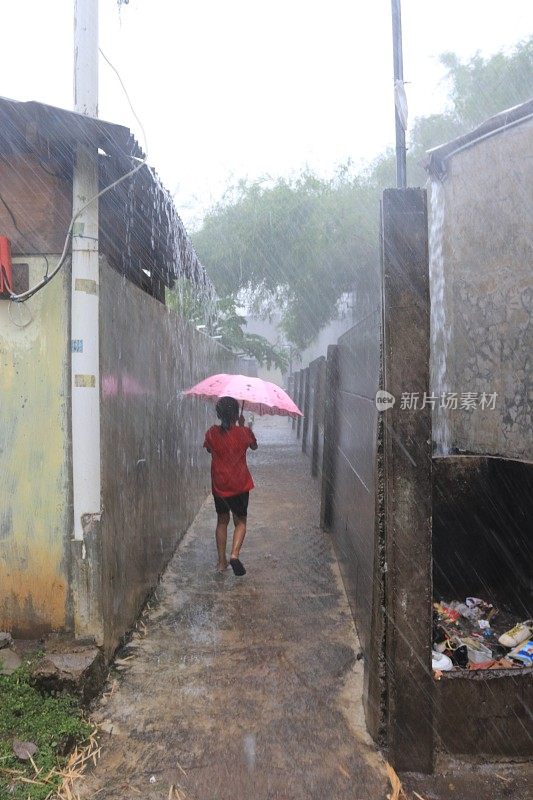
14 321
23 296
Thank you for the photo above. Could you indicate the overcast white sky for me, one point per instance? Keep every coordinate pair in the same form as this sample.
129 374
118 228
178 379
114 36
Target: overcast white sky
248 88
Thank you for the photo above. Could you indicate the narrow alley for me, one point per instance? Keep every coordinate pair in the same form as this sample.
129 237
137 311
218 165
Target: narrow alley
245 688
307 236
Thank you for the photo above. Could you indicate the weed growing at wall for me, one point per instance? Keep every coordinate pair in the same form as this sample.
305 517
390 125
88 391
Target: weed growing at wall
54 724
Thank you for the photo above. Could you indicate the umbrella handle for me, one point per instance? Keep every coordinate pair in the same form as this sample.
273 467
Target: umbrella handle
242 407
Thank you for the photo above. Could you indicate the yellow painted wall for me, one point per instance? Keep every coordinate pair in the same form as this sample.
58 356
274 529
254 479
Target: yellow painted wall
34 457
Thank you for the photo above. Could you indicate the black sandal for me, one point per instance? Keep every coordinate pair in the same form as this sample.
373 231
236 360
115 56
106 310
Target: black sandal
237 567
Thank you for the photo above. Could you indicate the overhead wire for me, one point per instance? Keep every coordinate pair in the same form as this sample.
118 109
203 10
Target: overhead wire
20 298
158 272
115 70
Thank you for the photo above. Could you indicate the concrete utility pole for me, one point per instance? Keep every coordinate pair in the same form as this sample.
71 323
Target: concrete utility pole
399 95
85 281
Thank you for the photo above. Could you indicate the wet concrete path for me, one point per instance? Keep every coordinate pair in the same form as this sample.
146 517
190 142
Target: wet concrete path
245 688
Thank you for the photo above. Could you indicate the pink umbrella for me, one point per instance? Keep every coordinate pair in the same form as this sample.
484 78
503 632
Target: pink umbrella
261 397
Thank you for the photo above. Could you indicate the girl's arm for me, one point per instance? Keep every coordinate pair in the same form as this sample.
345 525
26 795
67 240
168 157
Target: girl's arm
253 444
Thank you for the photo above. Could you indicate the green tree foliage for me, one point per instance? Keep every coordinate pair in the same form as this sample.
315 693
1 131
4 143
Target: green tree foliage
191 304
478 89
294 245
483 87
231 329
219 317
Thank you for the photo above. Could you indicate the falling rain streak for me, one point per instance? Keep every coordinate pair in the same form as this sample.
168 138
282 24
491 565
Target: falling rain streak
440 326
352 615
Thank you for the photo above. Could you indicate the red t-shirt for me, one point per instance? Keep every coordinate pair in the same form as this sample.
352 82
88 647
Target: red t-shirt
229 471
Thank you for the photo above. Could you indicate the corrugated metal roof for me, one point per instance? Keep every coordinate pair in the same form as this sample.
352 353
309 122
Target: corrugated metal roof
158 241
24 124
438 156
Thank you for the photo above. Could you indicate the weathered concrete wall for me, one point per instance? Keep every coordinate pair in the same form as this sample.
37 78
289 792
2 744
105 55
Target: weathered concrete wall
354 499
300 401
350 477
317 386
40 202
487 297
482 290
482 543
376 489
305 409
485 714
407 481
329 451
309 404
378 498
296 396
155 474
35 502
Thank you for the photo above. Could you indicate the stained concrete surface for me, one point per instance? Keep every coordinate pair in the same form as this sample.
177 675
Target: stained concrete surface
251 687
154 475
486 294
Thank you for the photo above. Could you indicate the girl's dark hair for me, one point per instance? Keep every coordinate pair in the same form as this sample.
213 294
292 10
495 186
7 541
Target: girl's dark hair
227 410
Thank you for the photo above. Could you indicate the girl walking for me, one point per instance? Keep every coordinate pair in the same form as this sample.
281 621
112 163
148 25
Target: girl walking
231 479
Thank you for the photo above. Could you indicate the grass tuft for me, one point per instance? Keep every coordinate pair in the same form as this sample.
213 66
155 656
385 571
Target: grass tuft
55 724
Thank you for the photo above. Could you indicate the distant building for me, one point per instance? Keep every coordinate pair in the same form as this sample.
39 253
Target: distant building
270 329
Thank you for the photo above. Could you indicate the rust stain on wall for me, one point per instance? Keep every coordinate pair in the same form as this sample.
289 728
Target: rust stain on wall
85 285
85 381
33 598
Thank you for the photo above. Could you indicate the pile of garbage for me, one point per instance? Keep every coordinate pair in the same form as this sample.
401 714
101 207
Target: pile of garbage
475 634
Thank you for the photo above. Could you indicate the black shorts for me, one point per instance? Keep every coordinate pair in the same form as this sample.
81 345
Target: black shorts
238 504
